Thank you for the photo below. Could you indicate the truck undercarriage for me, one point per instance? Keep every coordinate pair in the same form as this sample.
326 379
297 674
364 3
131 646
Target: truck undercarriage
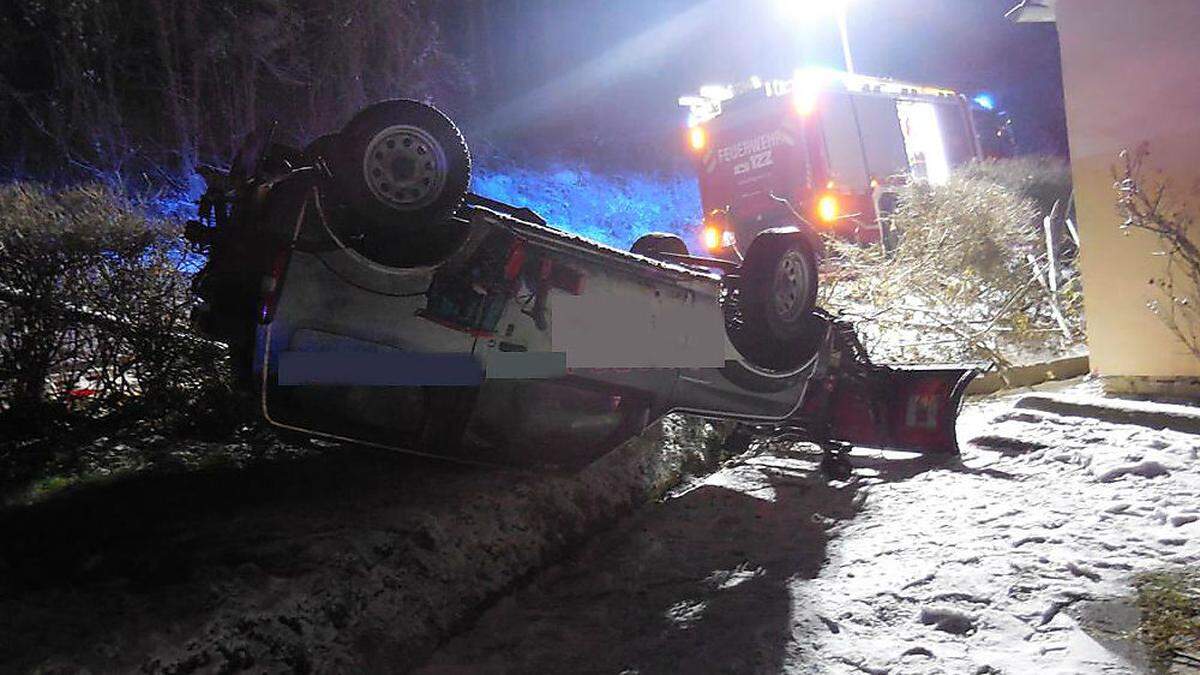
366 296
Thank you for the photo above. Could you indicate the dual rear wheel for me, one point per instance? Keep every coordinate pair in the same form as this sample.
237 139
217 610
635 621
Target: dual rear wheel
403 169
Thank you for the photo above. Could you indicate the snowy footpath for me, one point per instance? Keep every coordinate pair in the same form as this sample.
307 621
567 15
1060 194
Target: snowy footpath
987 565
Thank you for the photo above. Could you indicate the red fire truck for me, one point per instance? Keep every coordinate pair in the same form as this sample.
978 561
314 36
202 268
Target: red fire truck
825 146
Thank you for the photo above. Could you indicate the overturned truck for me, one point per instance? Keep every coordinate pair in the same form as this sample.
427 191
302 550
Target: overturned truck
367 296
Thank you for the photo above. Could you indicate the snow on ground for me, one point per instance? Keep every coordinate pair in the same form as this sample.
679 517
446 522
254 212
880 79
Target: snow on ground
1049 511
912 567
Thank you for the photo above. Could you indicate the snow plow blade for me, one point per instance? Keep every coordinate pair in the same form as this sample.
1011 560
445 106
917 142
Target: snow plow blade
915 409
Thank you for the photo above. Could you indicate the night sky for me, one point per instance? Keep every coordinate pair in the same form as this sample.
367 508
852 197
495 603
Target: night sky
619 66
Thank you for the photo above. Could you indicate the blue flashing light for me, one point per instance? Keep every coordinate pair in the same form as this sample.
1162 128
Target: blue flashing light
985 101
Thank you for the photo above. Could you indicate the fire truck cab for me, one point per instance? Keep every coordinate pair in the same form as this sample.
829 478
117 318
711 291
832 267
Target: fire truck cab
824 147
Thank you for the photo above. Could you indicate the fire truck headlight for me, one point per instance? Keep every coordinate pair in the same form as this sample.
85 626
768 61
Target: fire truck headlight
728 240
697 138
712 238
828 208
805 101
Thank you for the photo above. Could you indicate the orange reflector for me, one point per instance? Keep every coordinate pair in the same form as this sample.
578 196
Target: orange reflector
697 138
828 208
712 238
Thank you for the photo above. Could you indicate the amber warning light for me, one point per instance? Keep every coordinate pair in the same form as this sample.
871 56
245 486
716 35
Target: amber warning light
697 138
715 239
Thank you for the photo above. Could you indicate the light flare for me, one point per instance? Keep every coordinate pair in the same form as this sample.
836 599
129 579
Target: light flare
828 208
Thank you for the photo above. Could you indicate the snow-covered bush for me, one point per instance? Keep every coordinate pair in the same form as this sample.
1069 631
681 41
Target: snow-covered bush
1043 179
963 283
94 305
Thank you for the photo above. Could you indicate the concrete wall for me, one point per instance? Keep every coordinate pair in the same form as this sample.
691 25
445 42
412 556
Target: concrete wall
1130 76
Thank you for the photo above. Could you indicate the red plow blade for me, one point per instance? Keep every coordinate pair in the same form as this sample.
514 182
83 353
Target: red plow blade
899 408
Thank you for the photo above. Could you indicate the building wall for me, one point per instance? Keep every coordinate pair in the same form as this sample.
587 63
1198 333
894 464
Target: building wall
1130 76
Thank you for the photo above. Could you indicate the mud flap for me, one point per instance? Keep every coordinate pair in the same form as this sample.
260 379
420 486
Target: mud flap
901 409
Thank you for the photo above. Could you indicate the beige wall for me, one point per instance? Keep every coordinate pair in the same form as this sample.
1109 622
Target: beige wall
1131 71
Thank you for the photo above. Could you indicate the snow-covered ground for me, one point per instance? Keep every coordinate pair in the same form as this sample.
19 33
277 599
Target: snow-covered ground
912 567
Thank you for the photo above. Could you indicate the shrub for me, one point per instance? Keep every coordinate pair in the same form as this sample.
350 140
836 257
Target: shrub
960 284
1154 206
1044 180
94 301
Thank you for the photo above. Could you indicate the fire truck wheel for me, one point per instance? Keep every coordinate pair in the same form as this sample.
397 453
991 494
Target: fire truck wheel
654 244
405 166
779 285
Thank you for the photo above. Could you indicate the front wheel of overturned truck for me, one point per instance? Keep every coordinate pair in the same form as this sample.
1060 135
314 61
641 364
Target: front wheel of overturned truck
780 284
403 168
777 293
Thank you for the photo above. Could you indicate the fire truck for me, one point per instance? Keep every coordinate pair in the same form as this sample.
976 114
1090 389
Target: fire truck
824 149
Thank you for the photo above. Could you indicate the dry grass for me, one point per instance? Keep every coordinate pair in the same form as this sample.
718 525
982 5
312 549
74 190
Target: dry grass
1170 614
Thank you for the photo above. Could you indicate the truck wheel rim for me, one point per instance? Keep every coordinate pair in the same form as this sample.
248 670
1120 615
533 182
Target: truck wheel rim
405 167
791 286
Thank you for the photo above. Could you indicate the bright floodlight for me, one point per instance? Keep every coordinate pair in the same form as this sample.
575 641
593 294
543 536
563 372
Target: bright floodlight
811 10
804 11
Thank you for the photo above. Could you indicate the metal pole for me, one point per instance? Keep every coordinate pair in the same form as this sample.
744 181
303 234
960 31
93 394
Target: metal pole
841 19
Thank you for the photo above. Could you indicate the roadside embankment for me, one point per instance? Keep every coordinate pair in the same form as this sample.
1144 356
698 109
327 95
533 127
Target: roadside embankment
344 561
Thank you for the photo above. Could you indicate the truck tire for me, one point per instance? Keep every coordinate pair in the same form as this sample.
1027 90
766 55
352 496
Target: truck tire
404 167
654 244
779 285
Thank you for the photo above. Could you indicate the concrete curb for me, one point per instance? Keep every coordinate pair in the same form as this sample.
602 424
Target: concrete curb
1177 418
1027 376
